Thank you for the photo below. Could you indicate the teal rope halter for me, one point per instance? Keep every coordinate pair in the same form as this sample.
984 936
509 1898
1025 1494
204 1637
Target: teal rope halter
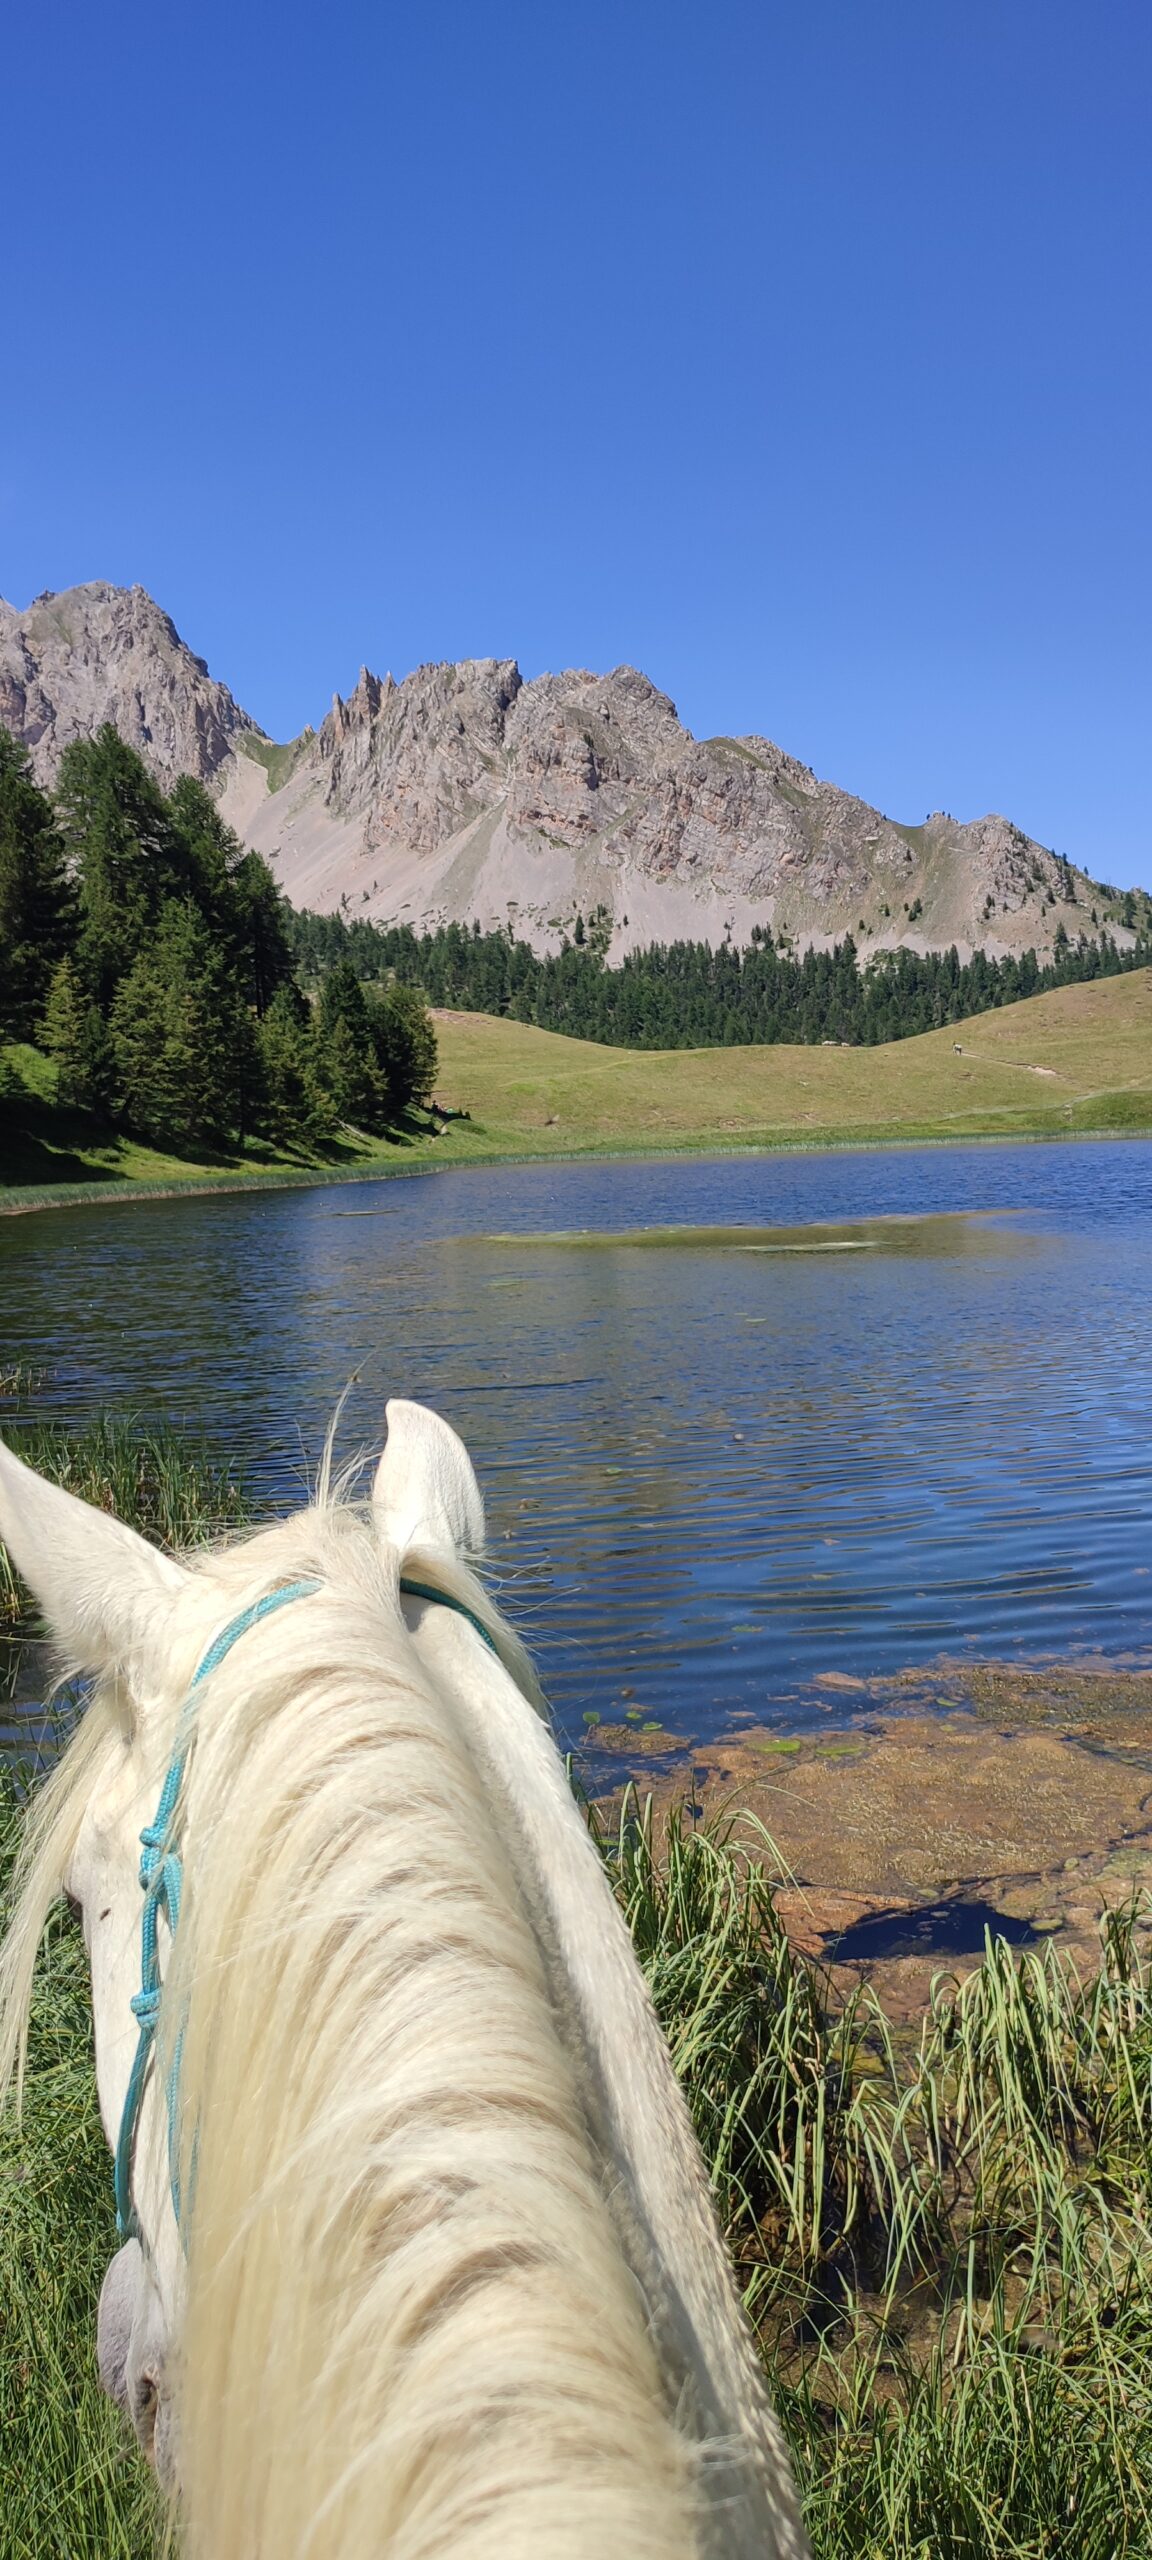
162 1883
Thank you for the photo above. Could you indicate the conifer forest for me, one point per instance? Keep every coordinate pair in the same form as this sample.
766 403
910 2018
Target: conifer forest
184 1001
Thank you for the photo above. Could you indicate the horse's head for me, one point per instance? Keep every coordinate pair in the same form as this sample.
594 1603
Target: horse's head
135 1623
415 2235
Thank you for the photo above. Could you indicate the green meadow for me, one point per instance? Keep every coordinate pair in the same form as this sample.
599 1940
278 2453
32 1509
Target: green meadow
1070 1063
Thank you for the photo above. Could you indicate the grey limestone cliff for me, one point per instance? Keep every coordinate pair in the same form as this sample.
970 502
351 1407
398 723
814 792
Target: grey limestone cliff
108 653
467 791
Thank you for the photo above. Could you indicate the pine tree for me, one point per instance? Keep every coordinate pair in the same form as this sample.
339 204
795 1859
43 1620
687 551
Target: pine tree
184 1042
209 1038
61 1030
212 850
235 893
294 1105
37 902
148 1099
348 1073
128 856
347 1050
404 1042
342 999
76 1036
265 961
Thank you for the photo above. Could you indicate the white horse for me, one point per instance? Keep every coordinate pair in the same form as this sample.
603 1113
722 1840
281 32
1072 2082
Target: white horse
423 2260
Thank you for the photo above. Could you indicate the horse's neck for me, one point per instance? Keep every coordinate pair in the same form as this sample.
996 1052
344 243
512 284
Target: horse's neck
657 2190
408 2315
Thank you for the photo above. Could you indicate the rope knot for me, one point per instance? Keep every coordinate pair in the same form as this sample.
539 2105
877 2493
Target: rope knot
145 2007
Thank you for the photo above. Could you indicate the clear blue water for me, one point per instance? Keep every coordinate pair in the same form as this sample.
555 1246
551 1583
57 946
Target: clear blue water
712 1472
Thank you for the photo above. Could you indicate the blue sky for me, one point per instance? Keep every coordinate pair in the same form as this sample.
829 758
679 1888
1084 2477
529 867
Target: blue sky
797 355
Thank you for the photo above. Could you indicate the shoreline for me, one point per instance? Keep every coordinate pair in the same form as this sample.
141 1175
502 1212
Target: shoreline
28 1198
907 1826
543 1097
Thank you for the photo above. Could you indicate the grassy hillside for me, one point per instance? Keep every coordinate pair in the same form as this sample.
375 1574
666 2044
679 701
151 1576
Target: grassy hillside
1074 1061
1078 1059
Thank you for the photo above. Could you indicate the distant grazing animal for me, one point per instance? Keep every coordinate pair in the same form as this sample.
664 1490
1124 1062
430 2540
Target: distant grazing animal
419 2260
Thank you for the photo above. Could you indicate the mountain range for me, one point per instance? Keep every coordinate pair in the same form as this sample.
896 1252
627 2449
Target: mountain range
468 791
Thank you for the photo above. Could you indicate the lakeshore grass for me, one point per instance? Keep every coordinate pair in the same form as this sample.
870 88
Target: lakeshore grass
161 1480
945 2245
944 2239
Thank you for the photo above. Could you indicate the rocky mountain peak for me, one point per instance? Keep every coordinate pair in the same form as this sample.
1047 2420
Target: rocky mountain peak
469 791
98 652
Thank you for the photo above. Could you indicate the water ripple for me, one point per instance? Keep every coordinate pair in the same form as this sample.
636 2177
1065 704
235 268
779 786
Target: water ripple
712 1473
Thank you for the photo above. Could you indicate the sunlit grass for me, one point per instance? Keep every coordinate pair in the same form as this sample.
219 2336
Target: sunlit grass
1063 1064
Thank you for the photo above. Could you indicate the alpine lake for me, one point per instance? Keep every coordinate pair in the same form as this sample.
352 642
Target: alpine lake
787 1459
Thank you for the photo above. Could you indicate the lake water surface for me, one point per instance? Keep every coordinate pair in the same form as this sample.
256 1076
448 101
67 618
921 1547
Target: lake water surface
843 1413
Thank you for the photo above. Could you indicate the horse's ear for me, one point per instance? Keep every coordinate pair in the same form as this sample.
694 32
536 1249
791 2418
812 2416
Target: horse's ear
426 1494
99 1585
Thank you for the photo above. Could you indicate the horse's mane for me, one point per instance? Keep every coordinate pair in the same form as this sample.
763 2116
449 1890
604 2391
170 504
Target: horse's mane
408 2325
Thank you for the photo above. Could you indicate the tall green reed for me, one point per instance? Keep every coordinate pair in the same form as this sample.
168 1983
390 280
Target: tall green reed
947 2254
160 1479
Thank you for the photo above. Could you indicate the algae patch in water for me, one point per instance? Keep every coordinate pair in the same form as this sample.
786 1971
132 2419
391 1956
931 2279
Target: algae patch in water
943 1232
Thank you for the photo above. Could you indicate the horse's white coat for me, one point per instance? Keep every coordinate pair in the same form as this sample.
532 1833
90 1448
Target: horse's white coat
453 2283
